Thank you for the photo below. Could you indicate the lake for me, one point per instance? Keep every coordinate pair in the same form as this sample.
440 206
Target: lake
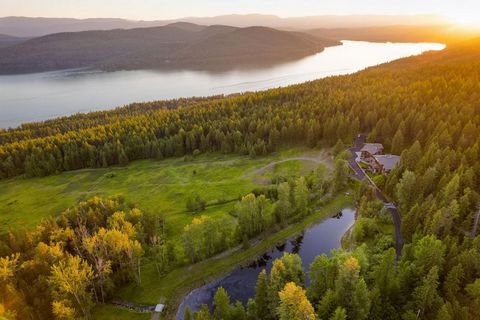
240 284
40 96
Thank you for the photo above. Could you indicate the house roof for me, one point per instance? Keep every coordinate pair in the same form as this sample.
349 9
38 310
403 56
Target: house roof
372 148
388 161
159 307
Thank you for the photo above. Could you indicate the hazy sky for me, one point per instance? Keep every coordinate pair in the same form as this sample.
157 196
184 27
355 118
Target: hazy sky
460 10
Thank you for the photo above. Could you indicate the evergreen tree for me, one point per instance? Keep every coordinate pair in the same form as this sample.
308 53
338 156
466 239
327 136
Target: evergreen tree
283 206
203 313
301 194
340 175
293 269
187 315
238 312
221 301
351 290
262 294
252 310
339 314
406 191
426 298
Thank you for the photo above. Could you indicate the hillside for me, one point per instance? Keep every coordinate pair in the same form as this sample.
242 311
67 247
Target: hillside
175 45
8 41
461 52
225 47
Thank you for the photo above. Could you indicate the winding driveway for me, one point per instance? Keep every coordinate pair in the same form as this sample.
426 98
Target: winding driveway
390 206
475 223
272 164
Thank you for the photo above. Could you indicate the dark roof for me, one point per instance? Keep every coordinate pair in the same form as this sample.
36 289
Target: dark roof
388 161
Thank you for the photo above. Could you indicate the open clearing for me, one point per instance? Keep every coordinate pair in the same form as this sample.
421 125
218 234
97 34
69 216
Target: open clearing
160 187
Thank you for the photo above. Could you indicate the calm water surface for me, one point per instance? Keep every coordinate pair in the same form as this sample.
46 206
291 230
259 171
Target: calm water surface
41 96
240 284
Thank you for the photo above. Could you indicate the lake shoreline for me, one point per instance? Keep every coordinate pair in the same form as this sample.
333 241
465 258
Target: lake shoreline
43 96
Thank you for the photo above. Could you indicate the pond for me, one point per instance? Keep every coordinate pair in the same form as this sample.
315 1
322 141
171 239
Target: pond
40 96
240 284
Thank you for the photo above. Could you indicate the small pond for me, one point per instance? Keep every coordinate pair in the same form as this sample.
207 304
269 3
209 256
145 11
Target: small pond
240 283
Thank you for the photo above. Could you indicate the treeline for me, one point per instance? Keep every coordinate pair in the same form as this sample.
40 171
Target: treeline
64 266
81 121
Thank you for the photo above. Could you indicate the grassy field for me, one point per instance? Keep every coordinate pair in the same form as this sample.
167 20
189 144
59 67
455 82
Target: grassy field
161 187
171 288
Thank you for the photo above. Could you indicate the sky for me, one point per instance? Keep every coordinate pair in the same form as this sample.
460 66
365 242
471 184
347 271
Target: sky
461 11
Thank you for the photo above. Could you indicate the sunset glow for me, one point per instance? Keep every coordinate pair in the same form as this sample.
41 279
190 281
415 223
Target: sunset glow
464 12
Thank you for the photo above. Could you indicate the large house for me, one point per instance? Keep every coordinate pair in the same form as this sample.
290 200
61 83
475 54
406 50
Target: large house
371 154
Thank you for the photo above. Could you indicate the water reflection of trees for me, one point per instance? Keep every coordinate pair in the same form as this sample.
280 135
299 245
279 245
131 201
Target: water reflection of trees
297 243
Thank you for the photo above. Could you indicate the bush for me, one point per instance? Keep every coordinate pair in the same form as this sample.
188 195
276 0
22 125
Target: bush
196 153
268 191
110 175
379 181
196 204
365 228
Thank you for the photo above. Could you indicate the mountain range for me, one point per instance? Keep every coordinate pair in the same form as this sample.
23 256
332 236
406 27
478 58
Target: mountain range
177 45
35 27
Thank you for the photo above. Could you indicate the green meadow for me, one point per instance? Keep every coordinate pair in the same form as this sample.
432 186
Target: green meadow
160 187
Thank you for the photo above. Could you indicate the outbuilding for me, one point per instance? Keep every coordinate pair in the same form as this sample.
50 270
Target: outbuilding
159 308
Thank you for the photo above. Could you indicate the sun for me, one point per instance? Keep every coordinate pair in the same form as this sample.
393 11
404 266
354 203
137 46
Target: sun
471 19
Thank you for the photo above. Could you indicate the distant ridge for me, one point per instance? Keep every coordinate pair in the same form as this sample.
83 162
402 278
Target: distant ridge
8 41
34 27
177 45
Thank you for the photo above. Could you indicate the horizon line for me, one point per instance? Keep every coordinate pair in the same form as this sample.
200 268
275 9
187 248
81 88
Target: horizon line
242 15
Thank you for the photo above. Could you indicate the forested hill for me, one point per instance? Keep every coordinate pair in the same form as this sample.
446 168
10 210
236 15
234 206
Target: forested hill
173 46
8 41
462 53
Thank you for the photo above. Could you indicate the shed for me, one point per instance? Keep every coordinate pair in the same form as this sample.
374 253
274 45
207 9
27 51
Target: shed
159 307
